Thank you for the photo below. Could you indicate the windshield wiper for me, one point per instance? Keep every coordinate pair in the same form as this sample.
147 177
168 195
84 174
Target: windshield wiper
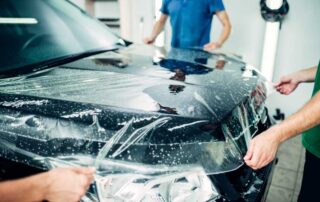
52 63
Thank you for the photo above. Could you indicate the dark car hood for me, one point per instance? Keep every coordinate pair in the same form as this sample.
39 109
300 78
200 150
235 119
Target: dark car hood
182 108
177 84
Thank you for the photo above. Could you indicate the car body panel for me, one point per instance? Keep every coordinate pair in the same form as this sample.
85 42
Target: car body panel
157 125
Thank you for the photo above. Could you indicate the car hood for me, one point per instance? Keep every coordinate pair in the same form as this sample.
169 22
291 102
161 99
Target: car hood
137 105
185 83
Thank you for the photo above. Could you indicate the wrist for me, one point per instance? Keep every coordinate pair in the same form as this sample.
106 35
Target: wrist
153 38
219 44
46 181
280 132
37 187
300 77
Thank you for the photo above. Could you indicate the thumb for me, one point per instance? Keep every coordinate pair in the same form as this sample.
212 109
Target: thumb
249 154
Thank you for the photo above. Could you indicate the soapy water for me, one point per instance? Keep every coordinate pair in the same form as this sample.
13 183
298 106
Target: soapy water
125 143
119 184
20 103
200 99
128 139
187 183
130 144
158 185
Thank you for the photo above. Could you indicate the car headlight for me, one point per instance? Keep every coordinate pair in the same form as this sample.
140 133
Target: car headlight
164 185
132 182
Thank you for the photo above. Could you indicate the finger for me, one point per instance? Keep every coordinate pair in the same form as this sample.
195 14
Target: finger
261 161
277 84
287 91
207 46
249 153
81 191
255 158
266 162
281 82
90 179
82 170
281 86
250 164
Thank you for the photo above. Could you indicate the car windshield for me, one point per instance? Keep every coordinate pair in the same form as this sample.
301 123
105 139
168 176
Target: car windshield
35 31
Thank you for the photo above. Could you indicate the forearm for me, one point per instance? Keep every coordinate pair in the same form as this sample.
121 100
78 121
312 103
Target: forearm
27 189
157 29
224 34
307 75
224 19
306 118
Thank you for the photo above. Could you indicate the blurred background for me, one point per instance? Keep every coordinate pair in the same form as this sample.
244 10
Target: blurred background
298 43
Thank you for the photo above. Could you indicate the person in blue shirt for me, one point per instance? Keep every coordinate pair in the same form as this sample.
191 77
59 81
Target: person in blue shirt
191 23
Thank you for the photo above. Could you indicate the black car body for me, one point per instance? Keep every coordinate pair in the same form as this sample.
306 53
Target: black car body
157 125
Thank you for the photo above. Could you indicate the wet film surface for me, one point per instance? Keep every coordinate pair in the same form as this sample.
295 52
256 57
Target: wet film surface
148 124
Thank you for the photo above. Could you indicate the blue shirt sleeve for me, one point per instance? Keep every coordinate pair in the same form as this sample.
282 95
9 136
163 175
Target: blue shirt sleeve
215 6
164 8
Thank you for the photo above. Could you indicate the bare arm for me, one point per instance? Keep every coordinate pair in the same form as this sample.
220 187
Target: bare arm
308 75
263 148
289 83
157 29
224 19
306 118
27 189
60 184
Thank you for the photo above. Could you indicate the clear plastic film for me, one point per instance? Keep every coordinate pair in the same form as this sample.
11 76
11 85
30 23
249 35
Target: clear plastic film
47 137
145 133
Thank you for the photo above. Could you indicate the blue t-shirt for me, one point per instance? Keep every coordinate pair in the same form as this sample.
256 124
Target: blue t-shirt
191 21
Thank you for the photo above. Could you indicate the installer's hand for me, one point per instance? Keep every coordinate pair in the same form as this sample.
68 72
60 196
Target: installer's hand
212 46
148 40
67 184
262 149
288 84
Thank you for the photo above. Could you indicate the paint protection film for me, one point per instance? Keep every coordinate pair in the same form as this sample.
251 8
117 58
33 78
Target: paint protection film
134 151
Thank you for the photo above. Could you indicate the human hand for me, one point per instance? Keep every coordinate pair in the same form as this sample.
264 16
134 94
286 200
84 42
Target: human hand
67 184
262 149
148 40
212 46
288 84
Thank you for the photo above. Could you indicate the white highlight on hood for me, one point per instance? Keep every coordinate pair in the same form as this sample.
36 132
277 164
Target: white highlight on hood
200 99
83 113
185 125
25 21
20 103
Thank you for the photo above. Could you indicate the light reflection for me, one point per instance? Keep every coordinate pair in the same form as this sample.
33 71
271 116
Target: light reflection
26 21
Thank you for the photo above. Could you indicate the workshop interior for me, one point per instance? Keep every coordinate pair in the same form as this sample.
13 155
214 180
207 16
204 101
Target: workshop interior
80 87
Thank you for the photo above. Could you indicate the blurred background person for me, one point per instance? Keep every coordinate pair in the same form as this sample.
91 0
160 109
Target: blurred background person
191 23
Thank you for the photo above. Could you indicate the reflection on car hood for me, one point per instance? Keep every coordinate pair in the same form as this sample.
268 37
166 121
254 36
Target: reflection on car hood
130 81
179 108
